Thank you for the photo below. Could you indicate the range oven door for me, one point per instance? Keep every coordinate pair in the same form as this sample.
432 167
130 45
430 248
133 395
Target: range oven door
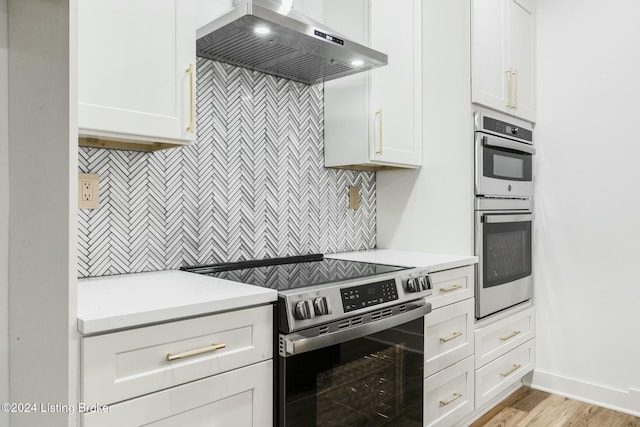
504 167
374 379
503 244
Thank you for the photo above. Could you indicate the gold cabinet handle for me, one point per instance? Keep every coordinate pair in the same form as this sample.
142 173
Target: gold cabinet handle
511 371
451 288
452 337
509 75
507 338
213 347
515 90
379 117
192 126
455 397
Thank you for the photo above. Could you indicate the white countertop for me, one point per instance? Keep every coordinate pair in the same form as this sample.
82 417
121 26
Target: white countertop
429 261
129 300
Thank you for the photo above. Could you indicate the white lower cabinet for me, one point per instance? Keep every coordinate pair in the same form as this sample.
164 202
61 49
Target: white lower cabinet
502 336
448 395
451 286
448 347
242 397
448 336
498 375
209 370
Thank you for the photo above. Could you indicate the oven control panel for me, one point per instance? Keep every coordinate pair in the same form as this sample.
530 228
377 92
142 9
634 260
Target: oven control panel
368 295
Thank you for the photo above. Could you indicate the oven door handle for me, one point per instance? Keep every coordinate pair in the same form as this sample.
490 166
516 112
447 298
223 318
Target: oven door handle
298 343
499 219
505 143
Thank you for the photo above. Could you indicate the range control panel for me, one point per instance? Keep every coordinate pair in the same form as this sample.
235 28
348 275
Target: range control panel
368 295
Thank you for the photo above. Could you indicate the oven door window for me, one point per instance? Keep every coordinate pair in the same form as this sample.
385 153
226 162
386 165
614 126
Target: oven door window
506 253
372 381
507 164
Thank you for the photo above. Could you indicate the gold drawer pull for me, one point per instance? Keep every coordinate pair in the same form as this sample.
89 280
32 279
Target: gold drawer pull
515 368
455 397
379 116
213 347
192 127
451 288
510 336
509 74
452 337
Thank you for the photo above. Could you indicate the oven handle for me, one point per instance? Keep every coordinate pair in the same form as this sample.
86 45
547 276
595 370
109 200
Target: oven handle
499 219
505 143
298 343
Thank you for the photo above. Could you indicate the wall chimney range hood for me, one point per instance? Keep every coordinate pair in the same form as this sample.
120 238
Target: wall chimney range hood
270 37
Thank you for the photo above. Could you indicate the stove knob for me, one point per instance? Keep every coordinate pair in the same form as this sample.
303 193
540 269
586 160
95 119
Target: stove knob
422 282
321 306
303 310
412 285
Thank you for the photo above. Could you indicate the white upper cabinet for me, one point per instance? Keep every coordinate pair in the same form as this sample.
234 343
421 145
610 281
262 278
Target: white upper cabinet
373 119
136 73
503 56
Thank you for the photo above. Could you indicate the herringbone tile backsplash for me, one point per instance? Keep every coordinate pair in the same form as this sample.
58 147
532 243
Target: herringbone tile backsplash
254 185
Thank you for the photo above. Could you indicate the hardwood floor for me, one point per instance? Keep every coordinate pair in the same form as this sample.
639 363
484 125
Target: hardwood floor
533 408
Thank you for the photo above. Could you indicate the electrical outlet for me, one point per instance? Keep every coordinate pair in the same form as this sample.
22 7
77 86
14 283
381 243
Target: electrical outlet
354 198
88 191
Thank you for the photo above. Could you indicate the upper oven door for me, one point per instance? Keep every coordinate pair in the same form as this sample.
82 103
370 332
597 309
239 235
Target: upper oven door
503 245
504 167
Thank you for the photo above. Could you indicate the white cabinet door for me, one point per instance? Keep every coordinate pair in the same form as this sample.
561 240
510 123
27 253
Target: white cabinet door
373 119
507 370
396 88
522 57
448 395
489 60
133 62
242 398
134 362
503 56
448 335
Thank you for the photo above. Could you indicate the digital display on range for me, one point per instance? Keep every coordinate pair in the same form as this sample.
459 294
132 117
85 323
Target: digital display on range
329 37
368 295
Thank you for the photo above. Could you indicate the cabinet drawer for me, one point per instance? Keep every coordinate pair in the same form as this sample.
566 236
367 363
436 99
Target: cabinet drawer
242 398
448 395
448 335
122 365
451 286
503 372
496 339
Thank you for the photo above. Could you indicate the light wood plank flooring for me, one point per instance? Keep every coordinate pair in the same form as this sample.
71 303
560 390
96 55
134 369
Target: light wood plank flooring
533 408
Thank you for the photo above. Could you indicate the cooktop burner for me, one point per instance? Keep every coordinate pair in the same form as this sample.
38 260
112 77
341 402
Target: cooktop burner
293 272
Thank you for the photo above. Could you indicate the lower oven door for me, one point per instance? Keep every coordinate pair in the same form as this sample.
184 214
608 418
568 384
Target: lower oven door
375 379
503 245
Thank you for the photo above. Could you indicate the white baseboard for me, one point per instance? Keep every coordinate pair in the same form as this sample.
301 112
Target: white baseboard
627 401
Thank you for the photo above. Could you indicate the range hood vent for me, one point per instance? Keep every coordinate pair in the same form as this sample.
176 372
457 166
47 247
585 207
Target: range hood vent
256 35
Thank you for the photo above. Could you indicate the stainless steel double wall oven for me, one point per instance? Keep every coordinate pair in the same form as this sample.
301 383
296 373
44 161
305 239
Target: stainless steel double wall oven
504 180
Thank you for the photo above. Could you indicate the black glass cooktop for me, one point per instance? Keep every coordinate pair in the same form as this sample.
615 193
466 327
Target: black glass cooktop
293 272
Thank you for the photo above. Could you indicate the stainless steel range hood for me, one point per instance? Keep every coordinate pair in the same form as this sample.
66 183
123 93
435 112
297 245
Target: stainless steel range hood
260 35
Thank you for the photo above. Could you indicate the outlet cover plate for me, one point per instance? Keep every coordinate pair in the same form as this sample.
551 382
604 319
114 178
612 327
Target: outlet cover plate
354 197
88 191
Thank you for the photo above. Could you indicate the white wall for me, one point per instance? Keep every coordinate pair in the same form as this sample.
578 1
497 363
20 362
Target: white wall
4 217
588 201
432 209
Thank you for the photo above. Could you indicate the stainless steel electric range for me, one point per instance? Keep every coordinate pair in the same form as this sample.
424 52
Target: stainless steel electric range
350 338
